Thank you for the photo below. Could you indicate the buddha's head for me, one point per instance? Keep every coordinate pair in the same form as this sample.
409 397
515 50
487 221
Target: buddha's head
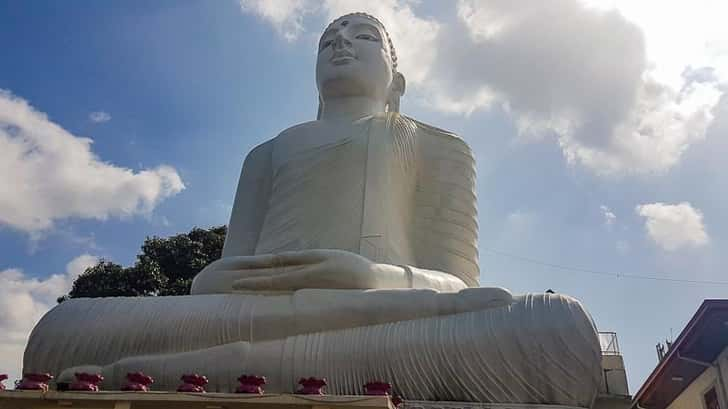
356 58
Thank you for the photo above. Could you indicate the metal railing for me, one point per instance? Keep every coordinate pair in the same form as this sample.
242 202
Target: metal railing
609 343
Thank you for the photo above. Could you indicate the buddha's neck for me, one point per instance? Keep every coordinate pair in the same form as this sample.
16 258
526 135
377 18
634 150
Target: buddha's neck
350 108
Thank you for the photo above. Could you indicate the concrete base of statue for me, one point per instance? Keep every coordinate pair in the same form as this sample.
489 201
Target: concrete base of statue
12 399
601 403
169 400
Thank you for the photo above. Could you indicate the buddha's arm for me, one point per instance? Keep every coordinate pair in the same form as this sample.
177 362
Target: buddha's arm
438 280
319 268
246 220
444 209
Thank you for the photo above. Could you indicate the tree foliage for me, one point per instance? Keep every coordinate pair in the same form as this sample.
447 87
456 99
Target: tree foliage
165 266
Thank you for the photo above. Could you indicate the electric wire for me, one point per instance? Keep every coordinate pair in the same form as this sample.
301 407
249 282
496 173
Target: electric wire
599 272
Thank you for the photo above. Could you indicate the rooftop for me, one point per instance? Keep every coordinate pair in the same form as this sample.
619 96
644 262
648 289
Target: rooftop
697 347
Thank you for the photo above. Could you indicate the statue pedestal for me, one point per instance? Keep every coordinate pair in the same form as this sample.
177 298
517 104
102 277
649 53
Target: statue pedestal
170 400
602 402
412 404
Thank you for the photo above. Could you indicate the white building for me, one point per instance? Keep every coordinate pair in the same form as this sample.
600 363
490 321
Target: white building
693 373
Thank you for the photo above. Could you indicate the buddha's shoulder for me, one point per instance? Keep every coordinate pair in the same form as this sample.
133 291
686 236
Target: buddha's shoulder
422 130
298 128
265 148
433 130
435 134
399 120
297 131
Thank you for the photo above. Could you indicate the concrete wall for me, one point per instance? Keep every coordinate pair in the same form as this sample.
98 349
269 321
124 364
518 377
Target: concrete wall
615 377
722 363
613 402
692 396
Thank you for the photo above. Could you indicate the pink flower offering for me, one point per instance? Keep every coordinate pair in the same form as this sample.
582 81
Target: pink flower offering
35 382
251 384
311 386
86 382
377 388
193 383
137 382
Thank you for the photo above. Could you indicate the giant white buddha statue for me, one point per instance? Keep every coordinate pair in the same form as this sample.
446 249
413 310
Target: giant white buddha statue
351 255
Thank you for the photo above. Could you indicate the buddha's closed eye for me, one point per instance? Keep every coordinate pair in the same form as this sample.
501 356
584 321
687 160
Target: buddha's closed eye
368 37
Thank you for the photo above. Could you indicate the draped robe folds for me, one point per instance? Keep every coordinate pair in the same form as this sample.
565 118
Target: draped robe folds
396 191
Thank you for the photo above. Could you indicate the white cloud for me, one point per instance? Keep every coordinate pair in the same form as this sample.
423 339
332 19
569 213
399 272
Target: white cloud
78 265
701 41
286 16
609 216
47 173
652 136
23 301
577 72
674 226
99 116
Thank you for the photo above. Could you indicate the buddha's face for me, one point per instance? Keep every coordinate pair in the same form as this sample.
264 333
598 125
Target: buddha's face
354 59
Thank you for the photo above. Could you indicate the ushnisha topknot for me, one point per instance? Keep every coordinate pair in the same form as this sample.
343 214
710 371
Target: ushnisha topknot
392 52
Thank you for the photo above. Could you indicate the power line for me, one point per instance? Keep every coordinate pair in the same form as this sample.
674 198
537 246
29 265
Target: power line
599 272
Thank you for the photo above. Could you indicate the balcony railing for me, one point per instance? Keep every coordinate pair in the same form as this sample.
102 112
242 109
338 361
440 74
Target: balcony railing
609 343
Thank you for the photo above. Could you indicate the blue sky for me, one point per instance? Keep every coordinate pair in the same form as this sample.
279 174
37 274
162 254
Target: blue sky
600 136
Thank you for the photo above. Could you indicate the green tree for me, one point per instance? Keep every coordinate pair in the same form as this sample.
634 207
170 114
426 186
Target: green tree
165 266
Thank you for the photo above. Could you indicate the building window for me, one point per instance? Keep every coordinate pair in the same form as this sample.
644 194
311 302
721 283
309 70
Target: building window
711 399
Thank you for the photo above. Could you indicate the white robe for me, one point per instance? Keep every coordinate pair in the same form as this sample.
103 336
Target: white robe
395 191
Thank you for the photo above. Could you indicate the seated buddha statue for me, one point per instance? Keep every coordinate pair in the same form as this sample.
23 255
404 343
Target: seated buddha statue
352 255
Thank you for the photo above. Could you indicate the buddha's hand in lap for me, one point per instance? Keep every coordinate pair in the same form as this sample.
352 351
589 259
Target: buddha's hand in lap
294 270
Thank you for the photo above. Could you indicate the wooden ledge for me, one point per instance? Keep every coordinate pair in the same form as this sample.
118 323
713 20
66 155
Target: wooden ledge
12 399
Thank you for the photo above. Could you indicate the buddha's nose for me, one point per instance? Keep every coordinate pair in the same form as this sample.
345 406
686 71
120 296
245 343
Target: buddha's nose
340 42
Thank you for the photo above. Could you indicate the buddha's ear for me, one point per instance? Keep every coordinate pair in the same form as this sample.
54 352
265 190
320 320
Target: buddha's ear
398 84
396 90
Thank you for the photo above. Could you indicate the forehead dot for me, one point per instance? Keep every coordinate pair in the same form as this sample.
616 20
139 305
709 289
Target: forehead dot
344 23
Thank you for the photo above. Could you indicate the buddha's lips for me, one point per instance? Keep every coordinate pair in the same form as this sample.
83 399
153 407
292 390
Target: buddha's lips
342 57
